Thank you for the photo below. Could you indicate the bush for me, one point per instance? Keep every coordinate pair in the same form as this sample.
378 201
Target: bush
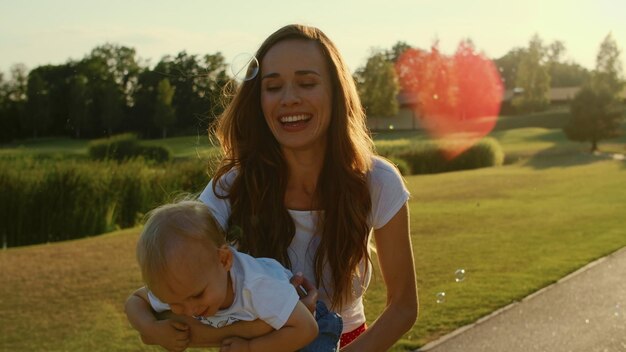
158 153
401 164
428 158
125 147
119 147
486 153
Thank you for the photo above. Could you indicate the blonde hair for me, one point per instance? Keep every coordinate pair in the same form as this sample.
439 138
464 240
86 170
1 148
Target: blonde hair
166 226
260 223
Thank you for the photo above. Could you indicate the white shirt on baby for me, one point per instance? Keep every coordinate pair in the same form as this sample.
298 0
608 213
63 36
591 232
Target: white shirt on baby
262 291
388 194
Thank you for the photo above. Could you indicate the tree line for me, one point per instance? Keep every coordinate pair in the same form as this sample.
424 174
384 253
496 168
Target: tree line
466 81
112 91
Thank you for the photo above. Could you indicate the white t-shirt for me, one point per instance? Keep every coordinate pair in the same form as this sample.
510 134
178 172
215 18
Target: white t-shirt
388 194
262 291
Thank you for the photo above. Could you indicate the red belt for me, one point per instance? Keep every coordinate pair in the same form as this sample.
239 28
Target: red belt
350 336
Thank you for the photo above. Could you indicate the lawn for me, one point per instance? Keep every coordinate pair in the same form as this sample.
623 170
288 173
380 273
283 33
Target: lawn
181 147
513 229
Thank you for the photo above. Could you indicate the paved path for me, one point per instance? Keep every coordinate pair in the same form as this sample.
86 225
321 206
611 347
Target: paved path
585 311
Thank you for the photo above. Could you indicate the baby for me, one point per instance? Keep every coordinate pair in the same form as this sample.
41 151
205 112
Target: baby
189 269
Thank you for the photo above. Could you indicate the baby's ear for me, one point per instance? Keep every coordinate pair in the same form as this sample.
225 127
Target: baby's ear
226 256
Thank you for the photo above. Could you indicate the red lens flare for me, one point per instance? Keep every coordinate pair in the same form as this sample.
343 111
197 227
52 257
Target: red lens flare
457 98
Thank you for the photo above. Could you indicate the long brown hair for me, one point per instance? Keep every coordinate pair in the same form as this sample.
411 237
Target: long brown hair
259 222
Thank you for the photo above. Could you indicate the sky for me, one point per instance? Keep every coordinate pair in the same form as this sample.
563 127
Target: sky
39 32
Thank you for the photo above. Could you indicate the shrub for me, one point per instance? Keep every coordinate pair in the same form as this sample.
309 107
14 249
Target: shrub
401 164
486 153
125 147
119 147
422 158
157 153
428 158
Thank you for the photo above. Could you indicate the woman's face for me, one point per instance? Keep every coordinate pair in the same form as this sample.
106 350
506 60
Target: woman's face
296 94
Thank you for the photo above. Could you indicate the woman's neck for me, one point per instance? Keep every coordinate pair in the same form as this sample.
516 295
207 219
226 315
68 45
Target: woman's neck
304 170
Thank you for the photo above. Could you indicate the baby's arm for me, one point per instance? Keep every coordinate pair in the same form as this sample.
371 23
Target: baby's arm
170 334
299 330
167 332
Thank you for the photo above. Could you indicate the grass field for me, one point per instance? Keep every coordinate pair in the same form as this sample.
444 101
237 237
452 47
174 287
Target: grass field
513 229
181 147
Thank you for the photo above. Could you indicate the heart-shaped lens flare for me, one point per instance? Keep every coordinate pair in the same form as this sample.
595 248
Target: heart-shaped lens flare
457 98
244 67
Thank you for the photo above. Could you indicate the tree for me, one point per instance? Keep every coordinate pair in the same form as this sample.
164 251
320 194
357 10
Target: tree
458 98
533 78
198 84
608 71
555 51
15 97
508 64
8 124
79 104
143 109
57 78
111 107
564 74
164 114
377 85
113 74
211 88
568 74
596 111
396 51
37 117
595 116
121 66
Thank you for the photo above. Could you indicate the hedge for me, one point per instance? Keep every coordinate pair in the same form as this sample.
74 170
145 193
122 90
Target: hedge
427 157
125 147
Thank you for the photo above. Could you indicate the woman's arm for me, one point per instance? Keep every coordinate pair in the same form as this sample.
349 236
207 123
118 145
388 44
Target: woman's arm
395 256
173 331
169 334
202 335
299 330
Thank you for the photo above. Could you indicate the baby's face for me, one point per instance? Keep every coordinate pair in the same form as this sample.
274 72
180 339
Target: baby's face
197 282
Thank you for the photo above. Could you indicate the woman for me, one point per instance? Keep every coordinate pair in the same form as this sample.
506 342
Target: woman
299 182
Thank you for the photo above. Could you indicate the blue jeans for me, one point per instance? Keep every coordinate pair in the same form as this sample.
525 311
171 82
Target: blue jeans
330 326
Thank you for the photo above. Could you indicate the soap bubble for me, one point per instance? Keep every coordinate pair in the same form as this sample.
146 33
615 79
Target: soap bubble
441 297
459 275
244 67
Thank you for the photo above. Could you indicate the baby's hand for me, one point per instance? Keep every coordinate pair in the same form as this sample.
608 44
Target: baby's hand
169 334
235 344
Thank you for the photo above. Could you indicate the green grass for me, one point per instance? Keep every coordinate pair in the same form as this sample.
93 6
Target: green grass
554 118
186 147
45 146
514 229
181 147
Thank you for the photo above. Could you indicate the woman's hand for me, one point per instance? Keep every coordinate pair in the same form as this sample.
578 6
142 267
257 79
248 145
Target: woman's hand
308 296
235 344
169 334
